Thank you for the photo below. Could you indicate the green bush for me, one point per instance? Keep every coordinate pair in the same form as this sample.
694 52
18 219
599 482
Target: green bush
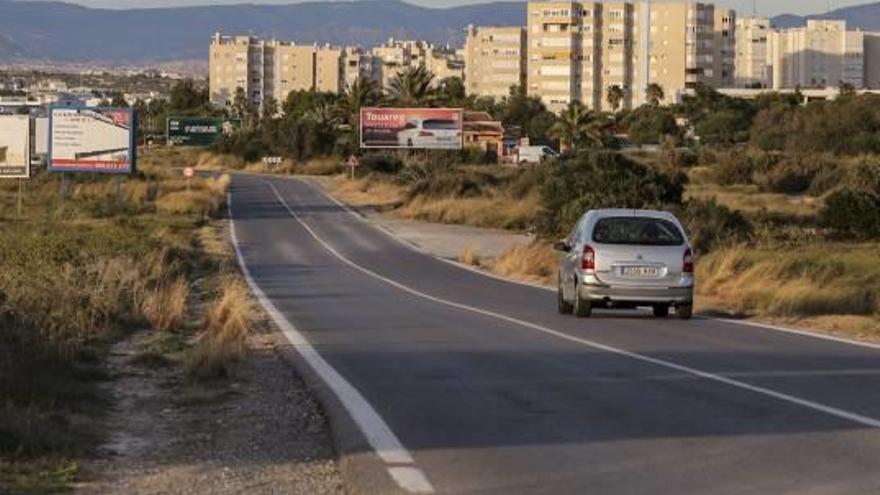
649 124
382 162
711 225
601 179
852 214
737 167
795 175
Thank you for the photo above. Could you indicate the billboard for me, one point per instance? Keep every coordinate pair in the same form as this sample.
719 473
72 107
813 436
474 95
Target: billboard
195 131
98 140
425 128
15 146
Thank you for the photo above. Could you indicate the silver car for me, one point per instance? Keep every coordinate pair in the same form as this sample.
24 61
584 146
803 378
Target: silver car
626 259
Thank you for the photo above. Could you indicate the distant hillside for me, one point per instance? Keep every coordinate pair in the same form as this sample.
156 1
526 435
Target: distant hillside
71 33
865 17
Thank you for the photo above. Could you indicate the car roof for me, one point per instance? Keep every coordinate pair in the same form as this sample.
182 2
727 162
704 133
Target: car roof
622 212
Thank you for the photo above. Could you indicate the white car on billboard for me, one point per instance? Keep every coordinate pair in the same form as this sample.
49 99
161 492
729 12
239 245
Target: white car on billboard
430 133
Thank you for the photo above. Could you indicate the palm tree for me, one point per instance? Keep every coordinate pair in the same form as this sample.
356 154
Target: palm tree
362 93
654 93
412 87
615 97
576 124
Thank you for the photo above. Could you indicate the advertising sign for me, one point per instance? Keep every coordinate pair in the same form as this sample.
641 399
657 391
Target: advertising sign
195 131
97 140
41 136
15 146
425 128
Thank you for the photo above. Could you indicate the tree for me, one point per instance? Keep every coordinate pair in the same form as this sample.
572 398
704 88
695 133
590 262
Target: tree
655 94
412 87
648 124
243 108
527 113
186 98
118 100
615 97
270 108
576 125
362 93
451 92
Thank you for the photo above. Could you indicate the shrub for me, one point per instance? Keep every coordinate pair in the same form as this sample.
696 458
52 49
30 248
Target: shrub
795 175
382 162
852 214
740 168
649 124
711 225
165 306
224 340
602 179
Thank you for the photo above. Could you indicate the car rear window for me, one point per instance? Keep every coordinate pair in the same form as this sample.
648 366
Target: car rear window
637 231
437 124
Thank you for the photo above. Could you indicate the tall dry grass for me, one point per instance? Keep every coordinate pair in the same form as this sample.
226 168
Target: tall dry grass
534 263
227 325
165 307
502 212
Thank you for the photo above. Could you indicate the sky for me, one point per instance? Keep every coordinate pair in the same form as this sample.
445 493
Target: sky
743 7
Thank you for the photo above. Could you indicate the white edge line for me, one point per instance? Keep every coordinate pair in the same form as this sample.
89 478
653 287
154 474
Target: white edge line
815 406
765 326
384 442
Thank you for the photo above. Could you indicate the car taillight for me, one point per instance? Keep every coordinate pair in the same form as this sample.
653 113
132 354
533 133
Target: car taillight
426 133
688 265
588 260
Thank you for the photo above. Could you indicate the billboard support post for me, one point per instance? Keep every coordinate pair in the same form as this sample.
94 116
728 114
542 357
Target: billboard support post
20 194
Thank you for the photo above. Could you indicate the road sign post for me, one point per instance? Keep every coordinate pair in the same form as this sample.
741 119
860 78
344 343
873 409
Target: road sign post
20 194
188 172
353 163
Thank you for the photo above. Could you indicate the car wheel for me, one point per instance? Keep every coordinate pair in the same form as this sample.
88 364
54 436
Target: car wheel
582 307
564 306
685 311
661 311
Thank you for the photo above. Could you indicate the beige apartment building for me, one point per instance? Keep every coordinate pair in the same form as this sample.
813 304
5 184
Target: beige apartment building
396 56
820 55
264 68
578 50
494 60
752 41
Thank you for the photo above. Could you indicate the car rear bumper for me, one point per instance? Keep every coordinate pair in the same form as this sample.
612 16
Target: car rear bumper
594 290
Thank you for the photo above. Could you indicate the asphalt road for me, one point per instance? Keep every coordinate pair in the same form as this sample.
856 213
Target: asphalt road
463 383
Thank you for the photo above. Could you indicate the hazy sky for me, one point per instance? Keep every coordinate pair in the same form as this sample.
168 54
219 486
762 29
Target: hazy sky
765 7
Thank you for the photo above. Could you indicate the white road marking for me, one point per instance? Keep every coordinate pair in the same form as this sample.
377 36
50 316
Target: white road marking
384 442
388 232
815 406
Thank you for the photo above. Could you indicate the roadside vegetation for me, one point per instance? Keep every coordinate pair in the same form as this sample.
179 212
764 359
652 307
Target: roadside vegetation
81 272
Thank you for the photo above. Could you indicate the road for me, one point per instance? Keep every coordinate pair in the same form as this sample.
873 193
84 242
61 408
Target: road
462 383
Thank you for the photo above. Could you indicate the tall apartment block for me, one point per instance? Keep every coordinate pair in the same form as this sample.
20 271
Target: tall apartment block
396 56
578 50
725 47
494 60
264 68
752 41
821 54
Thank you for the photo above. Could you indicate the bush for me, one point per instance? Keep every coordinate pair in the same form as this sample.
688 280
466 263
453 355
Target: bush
795 175
711 225
852 214
740 168
382 162
649 124
602 179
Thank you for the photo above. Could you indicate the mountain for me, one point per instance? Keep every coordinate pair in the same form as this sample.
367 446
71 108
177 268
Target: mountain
66 32
865 17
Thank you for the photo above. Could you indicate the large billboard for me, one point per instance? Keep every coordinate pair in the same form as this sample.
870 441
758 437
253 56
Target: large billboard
15 146
426 128
196 131
98 140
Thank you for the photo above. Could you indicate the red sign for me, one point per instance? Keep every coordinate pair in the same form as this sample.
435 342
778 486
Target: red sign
189 172
427 128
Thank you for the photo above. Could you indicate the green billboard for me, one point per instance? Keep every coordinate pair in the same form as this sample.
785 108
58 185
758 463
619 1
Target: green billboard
200 131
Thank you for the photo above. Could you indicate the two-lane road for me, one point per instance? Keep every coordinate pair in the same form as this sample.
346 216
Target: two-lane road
463 383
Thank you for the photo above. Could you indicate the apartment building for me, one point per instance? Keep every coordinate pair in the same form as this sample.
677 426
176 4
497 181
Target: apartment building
725 47
494 60
357 64
822 54
396 56
752 41
578 50
264 68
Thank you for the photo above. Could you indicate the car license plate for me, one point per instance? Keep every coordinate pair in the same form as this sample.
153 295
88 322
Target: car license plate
640 271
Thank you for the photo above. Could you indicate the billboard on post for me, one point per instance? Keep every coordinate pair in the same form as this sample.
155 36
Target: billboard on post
413 128
97 140
199 131
15 146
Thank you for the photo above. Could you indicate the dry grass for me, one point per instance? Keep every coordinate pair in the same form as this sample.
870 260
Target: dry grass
490 212
833 284
205 197
535 263
471 256
321 166
228 323
748 199
365 192
165 306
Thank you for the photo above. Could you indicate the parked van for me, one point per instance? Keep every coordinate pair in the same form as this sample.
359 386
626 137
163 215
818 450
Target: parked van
534 154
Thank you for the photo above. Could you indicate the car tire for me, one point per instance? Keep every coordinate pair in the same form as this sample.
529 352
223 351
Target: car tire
685 311
661 310
582 307
564 307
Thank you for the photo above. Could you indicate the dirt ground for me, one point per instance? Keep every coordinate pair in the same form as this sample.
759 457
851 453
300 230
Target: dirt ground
258 432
